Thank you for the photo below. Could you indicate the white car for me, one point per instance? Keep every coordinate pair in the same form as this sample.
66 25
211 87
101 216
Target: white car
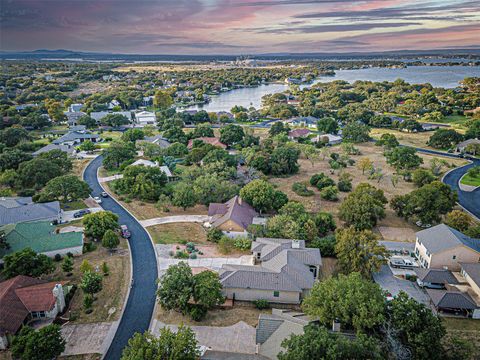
97 200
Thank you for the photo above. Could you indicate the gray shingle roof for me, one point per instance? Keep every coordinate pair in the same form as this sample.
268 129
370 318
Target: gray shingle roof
436 276
442 237
451 299
473 271
74 136
65 148
223 355
20 209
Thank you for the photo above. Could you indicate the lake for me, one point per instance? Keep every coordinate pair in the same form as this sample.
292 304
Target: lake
438 76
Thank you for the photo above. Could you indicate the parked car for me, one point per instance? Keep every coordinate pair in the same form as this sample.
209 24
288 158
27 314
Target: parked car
430 285
125 232
104 194
402 263
81 213
97 199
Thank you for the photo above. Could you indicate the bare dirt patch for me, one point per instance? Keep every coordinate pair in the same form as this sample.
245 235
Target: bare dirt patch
328 268
397 233
79 165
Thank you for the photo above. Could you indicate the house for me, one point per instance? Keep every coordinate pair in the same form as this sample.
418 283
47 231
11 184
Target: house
42 237
298 133
25 299
14 210
328 139
444 247
114 103
148 163
471 273
69 149
434 278
232 217
207 140
76 137
145 118
157 140
75 107
224 355
461 147
73 117
453 302
99 115
308 121
226 114
285 272
433 126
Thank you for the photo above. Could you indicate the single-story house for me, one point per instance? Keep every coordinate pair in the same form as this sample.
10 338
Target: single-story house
75 137
308 121
25 299
157 140
14 210
444 247
453 302
328 139
232 217
224 355
145 118
225 113
148 163
42 237
461 147
69 149
434 278
75 107
99 115
471 273
433 126
207 140
298 133
285 273
73 116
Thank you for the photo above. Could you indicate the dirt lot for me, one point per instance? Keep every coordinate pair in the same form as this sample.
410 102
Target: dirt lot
90 87
215 317
178 233
114 285
374 153
79 165
414 139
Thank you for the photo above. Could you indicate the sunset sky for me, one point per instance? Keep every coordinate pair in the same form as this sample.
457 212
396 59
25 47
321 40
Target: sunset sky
238 26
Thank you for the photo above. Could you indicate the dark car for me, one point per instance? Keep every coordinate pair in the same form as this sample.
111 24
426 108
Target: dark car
81 213
125 232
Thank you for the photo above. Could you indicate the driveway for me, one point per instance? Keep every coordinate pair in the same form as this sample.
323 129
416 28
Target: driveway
141 298
394 285
239 338
85 338
68 215
174 219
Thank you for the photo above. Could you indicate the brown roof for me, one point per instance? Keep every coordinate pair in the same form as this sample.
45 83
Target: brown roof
208 140
299 133
21 295
234 209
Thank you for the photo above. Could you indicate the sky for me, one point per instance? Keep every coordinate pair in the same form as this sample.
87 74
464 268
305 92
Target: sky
238 26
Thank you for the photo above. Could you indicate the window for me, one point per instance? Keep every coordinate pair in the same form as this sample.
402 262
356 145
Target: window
276 293
454 257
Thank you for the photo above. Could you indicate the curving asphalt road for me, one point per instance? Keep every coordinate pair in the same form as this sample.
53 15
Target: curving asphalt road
141 300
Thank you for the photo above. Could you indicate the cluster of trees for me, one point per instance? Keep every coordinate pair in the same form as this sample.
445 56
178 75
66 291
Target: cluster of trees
142 182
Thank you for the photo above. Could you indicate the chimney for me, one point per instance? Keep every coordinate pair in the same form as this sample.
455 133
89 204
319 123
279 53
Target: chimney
336 326
59 297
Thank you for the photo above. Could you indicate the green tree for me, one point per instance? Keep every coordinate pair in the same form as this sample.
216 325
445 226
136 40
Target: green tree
207 289
176 287
96 224
27 262
59 158
117 153
444 138
317 343
55 110
231 134
359 251
143 182
87 121
327 125
388 141
278 128
202 130
403 158
44 344
66 187
422 177
110 240
87 146
13 136
132 135
356 133
37 172
473 131
85 266
211 188
91 282
355 301
324 222
12 158
363 207
115 120
171 345
417 327
458 220
162 100
67 265
263 196
183 195
284 160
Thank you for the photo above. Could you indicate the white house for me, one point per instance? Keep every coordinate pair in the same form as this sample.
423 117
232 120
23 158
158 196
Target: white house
148 163
329 139
145 118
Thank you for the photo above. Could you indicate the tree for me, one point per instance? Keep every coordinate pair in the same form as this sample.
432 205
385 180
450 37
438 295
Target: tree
85 267
117 153
324 222
327 125
59 158
363 207
444 138
263 196
359 251
212 188
416 326
55 110
356 133
388 141
345 182
37 172
207 289
87 121
162 100
67 265
176 287
231 134
44 344
422 177
115 120
91 282
110 240
473 131
410 125
329 193
317 343
458 220
105 269
143 182
355 301
87 146
11 159
278 128
180 345
202 130
184 195
403 158
365 164
132 135
13 136
283 160
27 262
96 224
66 187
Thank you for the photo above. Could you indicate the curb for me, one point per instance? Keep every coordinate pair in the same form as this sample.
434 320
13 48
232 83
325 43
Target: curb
466 188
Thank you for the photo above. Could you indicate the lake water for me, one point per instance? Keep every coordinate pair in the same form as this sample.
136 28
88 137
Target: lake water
438 76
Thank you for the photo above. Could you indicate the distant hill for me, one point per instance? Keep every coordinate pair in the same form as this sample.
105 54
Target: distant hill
46 54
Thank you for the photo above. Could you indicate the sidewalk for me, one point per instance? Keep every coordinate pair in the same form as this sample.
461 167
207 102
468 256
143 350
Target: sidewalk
174 219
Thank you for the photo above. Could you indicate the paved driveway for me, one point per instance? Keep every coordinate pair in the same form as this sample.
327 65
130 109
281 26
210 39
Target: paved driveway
236 338
68 215
85 338
394 285
141 299
174 219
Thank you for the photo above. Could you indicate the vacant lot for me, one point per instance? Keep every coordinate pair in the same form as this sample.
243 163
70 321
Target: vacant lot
375 154
467 329
405 138
178 233
79 165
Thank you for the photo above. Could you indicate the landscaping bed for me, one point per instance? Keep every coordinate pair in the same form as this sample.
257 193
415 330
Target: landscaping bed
470 180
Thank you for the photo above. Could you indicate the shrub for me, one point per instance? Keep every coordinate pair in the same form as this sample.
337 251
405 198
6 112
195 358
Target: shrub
214 235
87 302
329 193
193 256
326 245
301 189
242 243
69 254
321 181
197 312
57 257
226 245
261 304
180 254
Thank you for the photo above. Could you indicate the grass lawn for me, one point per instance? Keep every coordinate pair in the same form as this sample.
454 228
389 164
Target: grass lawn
215 317
178 233
74 205
102 172
405 138
470 180
467 329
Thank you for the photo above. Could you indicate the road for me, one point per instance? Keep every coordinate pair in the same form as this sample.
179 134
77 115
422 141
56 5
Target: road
141 300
